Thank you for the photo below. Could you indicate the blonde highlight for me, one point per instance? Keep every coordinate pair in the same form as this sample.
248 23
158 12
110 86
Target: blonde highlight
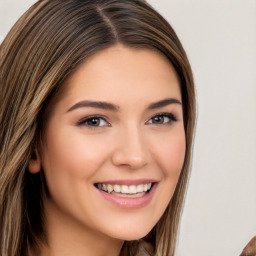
43 48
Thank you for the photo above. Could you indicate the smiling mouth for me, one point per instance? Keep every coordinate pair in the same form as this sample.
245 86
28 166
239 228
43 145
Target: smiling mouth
125 190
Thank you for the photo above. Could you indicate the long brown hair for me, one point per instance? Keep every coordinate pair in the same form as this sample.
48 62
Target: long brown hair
46 44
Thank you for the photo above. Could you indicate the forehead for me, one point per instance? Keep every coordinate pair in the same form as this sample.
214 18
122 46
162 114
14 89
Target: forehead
121 71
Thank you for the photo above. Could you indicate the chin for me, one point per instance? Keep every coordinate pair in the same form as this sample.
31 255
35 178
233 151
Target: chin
132 234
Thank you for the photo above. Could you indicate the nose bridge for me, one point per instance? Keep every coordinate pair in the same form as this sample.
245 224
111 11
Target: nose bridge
131 149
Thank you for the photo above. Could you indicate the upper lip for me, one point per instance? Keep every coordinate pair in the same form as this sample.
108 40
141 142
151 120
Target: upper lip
127 182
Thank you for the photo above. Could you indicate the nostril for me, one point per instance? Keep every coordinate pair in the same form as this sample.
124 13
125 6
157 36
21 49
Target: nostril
129 160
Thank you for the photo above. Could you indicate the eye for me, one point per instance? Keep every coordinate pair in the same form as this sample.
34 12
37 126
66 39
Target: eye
93 122
164 118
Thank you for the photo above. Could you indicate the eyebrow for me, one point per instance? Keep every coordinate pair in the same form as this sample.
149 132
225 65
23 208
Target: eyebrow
113 107
94 104
163 103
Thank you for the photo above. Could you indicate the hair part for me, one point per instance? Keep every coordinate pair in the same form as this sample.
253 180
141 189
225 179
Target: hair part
43 48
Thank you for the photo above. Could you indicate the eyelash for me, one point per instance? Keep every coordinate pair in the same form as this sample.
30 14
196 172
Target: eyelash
85 121
170 116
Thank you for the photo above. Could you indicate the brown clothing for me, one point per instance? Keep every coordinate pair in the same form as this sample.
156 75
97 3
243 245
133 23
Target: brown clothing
250 249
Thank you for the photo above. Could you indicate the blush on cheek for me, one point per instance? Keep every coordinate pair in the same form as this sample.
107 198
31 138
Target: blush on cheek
174 158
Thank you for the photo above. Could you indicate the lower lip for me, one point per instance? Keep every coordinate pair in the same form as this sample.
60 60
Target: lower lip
128 202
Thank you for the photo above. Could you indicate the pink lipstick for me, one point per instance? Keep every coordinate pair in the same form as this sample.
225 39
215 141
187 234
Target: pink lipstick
127 193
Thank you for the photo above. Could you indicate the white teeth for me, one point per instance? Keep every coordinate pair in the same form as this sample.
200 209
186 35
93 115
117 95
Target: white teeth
132 189
117 188
110 188
140 188
124 189
104 187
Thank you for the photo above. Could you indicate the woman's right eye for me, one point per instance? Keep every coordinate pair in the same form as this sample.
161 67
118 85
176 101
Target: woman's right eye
93 122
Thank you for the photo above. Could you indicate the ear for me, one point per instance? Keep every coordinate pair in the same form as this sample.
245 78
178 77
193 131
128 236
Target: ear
34 165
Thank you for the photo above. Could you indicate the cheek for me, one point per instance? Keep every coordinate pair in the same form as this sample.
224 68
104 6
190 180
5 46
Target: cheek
169 155
72 154
172 154
177 152
69 162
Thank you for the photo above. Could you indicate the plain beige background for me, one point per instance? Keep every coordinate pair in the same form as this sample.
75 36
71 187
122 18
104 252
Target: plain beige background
219 36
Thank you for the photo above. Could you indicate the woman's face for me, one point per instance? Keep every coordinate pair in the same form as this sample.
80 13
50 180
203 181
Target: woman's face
114 144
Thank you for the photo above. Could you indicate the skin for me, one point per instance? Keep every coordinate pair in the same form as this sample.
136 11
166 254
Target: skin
126 144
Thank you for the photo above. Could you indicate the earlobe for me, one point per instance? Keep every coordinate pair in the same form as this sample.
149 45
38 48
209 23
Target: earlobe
34 165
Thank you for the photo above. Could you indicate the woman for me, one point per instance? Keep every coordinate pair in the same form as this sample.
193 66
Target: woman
97 116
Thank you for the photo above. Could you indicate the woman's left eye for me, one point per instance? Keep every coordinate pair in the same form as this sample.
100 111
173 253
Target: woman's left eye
165 118
93 122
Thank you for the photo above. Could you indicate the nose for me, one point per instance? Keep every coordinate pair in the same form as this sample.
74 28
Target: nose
131 150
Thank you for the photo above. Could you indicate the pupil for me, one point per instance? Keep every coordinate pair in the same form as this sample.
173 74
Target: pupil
94 121
158 119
